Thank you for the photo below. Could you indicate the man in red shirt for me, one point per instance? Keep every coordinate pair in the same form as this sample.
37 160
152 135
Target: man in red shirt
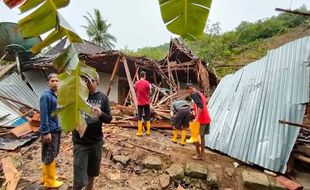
143 88
202 116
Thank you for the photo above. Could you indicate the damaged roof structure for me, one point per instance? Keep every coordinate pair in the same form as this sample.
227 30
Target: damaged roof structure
117 73
246 107
179 67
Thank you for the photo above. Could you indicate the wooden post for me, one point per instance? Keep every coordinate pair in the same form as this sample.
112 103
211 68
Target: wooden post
131 86
6 69
115 70
154 77
293 12
133 80
295 124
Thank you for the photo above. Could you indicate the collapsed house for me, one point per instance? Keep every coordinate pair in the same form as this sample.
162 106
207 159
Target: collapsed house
167 76
246 107
117 72
253 109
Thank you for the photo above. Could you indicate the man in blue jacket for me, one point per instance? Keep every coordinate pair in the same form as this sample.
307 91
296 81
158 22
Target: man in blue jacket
87 150
50 133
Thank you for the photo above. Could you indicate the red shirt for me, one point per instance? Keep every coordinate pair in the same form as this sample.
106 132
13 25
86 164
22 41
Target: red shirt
143 89
204 117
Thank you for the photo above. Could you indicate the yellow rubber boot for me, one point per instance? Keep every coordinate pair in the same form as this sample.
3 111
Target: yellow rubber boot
183 137
140 128
175 136
42 180
148 128
194 128
50 176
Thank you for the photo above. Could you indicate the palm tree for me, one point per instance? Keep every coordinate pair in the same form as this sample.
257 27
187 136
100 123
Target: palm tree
97 31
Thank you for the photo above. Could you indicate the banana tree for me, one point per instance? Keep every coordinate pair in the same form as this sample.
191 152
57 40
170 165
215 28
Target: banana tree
186 18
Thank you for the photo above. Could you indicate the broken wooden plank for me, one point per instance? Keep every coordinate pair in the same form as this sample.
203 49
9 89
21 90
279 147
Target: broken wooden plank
302 158
164 115
11 174
149 149
6 69
22 130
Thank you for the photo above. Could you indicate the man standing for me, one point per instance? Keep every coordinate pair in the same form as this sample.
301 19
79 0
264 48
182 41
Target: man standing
202 116
87 150
181 115
143 88
50 133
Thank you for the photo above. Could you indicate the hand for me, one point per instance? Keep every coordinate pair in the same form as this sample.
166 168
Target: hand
47 138
97 112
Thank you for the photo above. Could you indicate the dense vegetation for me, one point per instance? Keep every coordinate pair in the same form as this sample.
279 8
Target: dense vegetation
157 53
243 45
246 42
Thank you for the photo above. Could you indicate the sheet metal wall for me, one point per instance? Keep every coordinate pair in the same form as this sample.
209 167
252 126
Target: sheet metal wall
247 105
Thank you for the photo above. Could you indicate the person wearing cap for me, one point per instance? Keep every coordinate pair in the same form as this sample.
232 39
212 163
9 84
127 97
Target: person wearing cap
87 150
181 115
50 133
202 116
143 89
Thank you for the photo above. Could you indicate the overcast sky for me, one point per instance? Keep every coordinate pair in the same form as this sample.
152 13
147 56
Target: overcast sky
137 23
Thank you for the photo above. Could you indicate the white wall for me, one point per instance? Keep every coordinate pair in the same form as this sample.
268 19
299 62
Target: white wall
104 83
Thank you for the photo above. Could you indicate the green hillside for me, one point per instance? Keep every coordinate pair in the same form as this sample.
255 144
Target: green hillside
227 52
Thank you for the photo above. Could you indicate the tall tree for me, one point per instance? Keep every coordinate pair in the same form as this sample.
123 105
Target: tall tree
97 30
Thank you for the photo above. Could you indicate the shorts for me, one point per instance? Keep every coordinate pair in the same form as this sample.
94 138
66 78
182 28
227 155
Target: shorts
182 118
146 110
86 163
204 130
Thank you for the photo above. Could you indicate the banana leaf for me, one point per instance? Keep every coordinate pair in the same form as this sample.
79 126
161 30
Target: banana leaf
30 4
72 96
67 61
54 36
40 21
186 18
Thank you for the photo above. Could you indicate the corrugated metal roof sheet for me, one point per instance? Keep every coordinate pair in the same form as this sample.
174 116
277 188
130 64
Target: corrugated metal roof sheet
37 81
246 107
14 87
81 48
5 110
12 143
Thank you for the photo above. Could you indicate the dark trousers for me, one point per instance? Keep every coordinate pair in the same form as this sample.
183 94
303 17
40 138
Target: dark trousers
182 118
146 110
50 150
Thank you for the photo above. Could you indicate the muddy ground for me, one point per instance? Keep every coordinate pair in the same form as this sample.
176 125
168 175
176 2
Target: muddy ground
117 176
